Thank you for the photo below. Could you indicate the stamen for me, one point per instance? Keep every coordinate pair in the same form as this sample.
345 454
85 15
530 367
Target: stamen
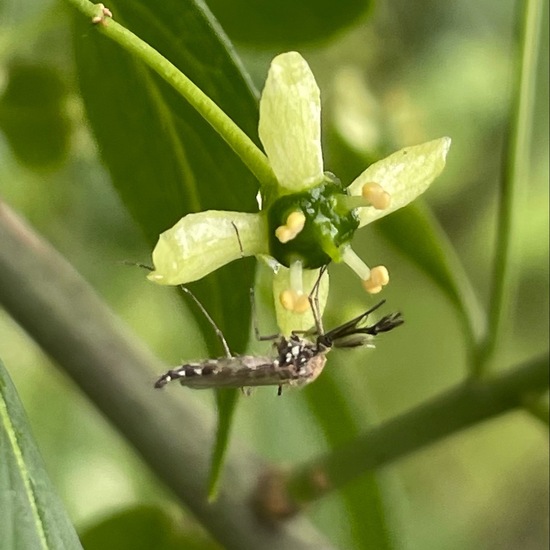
294 299
294 224
356 263
372 194
373 279
296 277
376 195
379 277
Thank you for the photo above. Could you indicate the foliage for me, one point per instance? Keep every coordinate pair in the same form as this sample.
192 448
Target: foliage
469 274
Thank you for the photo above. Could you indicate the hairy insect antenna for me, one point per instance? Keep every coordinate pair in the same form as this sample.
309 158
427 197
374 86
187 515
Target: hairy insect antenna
217 330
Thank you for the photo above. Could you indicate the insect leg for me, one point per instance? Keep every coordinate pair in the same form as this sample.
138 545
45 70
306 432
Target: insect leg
259 337
314 302
252 300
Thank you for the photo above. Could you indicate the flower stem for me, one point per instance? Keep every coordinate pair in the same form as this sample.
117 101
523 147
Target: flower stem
514 180
243 146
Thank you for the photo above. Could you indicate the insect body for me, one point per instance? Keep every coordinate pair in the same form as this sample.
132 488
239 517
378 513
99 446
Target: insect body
296 361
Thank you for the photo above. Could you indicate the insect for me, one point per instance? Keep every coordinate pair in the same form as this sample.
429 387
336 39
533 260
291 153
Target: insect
296 360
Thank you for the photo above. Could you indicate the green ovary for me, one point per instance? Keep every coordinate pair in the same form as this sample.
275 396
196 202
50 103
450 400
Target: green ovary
327 228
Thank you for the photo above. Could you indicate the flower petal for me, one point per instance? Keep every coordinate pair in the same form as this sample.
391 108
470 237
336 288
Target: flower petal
405 175
290 123
201 243
289 321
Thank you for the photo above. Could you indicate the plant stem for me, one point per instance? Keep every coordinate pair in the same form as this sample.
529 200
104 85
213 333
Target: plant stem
243 146
513 183
447 414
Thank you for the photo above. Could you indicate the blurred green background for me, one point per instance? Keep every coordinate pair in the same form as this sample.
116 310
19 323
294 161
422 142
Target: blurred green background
397 74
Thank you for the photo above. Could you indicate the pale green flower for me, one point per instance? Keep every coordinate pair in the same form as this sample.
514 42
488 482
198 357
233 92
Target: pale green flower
310 218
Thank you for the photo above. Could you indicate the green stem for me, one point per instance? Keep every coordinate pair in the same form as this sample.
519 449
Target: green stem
514 180
447 414
243 146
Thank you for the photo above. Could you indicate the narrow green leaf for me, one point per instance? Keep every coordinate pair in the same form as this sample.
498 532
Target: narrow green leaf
143 528
165 160
32 516
287 23
515 175
226 401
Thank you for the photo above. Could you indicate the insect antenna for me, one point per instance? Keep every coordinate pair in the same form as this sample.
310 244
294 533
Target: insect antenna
213 324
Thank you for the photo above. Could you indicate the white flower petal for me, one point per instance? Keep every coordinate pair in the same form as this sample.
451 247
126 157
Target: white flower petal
287 321
290 123
201 243
405 175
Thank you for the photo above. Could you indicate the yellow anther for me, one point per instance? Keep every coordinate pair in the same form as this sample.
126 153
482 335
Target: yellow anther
283 234
375 194
294 224
302 304
287 299
379 277
296 221
294 301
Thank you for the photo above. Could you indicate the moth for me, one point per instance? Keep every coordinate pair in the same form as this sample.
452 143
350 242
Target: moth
296 360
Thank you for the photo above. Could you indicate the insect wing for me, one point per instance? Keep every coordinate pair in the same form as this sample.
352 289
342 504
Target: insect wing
227 372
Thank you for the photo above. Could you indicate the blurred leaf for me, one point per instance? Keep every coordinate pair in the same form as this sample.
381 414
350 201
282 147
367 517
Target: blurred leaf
143 528
226 401
33 115
416 233
32 514
364 500
287 23
165 160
